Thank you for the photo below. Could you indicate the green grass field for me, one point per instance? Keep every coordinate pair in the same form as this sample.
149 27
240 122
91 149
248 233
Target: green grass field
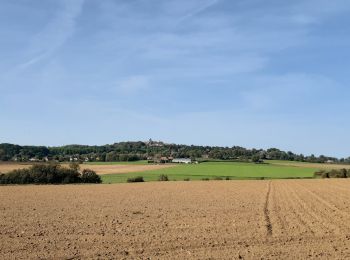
234 170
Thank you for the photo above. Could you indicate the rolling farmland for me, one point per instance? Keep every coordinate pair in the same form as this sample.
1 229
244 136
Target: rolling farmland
211 170
119 172
272 219
185 129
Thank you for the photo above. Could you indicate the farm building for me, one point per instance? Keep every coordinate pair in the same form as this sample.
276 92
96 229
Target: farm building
163 159
182 160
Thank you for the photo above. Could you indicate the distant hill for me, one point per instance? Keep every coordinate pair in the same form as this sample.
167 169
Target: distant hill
133 151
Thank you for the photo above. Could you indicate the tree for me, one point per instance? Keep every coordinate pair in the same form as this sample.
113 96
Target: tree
74 166
90 176
256 158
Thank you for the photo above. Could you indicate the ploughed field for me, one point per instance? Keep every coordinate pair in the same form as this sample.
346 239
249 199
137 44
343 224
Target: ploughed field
276 219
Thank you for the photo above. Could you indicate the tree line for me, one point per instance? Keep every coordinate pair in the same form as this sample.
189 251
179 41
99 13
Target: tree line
133 151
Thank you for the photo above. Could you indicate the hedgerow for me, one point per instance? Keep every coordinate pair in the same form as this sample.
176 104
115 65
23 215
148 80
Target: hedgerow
135 179
49 174
342 173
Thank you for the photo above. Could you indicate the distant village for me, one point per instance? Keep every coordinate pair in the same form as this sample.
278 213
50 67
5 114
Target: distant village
157 159
165 159
170 160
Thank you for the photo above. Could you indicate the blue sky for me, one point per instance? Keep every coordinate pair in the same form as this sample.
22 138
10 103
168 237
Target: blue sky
217 72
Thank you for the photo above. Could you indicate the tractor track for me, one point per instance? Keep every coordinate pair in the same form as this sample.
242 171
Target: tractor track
269 228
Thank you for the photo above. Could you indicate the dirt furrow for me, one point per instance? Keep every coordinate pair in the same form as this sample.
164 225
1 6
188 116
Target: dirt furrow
335 194
342 217
309 214
277 215
267 212
306 225
296 223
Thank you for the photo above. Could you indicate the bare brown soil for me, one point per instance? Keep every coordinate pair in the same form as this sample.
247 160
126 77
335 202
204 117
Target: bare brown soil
7 167
100 169
279 219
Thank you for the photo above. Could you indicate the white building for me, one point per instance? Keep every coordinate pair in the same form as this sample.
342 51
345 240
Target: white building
182 160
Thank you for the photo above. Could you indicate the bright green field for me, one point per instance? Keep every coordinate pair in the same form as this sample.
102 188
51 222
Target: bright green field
210 170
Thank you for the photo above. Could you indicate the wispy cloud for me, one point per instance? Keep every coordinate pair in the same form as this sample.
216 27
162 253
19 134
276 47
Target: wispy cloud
207 44
54 34
317 11
219 65
197 10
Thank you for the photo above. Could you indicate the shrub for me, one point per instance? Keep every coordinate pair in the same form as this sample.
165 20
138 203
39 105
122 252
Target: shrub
325 174
342 173
227 178
348 174
135 179
337 174
163 177
90 176
187 179
205 179
320 174
74 166
256 159
52 173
